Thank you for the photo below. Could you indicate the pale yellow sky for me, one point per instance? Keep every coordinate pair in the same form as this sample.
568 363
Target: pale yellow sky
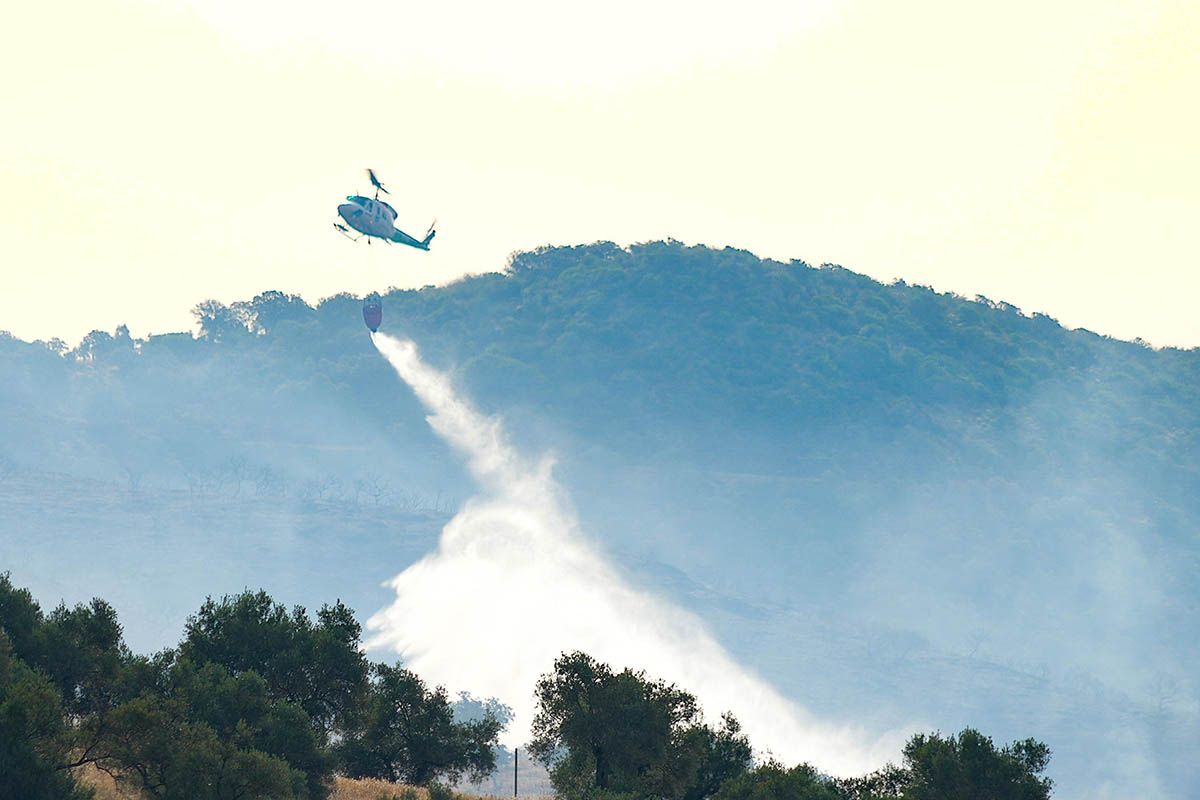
156 154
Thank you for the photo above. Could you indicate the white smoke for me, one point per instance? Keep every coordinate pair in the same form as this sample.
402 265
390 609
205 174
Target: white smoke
514 583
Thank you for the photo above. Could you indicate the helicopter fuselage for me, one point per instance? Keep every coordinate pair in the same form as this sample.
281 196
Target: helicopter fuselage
375 219
369 216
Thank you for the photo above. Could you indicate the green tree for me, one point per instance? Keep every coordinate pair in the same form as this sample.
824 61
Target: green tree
405 732
889 781
772 781
174 726
153 746
34 741
80 649
606 733
209 734
20 619
83 652
317 666
970 765
703 759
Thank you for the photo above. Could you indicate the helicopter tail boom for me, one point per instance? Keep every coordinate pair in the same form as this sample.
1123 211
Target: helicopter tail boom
400 237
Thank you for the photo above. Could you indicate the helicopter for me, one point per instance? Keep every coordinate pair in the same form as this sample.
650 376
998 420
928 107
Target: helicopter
375 219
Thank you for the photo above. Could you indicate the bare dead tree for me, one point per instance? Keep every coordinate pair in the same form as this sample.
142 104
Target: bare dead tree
236 470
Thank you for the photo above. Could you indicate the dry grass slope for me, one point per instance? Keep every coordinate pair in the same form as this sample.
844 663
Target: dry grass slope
343 789
104 786
370 789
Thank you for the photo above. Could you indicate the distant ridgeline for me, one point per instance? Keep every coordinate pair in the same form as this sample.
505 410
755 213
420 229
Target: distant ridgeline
710 356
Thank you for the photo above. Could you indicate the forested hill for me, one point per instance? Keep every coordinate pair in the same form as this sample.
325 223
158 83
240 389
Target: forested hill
893 503
663 336
683 351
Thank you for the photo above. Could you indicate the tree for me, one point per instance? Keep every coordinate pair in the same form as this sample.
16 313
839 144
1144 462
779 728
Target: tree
622 733
705 759
174 726
101 346
154 746
80 652
34 741
219 322
316 666
20 619
772 781
970 765
83 652
269 309
889 781
178 727
209 734
469 708
405 732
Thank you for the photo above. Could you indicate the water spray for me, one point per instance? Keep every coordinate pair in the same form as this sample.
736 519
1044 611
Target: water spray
516 551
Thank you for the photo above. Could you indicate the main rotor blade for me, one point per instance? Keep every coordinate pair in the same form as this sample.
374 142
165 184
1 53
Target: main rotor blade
375 181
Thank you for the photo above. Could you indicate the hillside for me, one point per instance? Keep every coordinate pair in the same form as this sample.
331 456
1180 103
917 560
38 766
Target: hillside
695 348
894 503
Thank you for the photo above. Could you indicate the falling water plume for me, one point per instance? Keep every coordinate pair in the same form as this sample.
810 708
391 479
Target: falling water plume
514 583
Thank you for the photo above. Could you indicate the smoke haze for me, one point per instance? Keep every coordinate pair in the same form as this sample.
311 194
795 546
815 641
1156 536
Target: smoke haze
514 583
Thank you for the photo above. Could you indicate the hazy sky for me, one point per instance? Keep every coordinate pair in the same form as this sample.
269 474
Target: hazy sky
154 154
